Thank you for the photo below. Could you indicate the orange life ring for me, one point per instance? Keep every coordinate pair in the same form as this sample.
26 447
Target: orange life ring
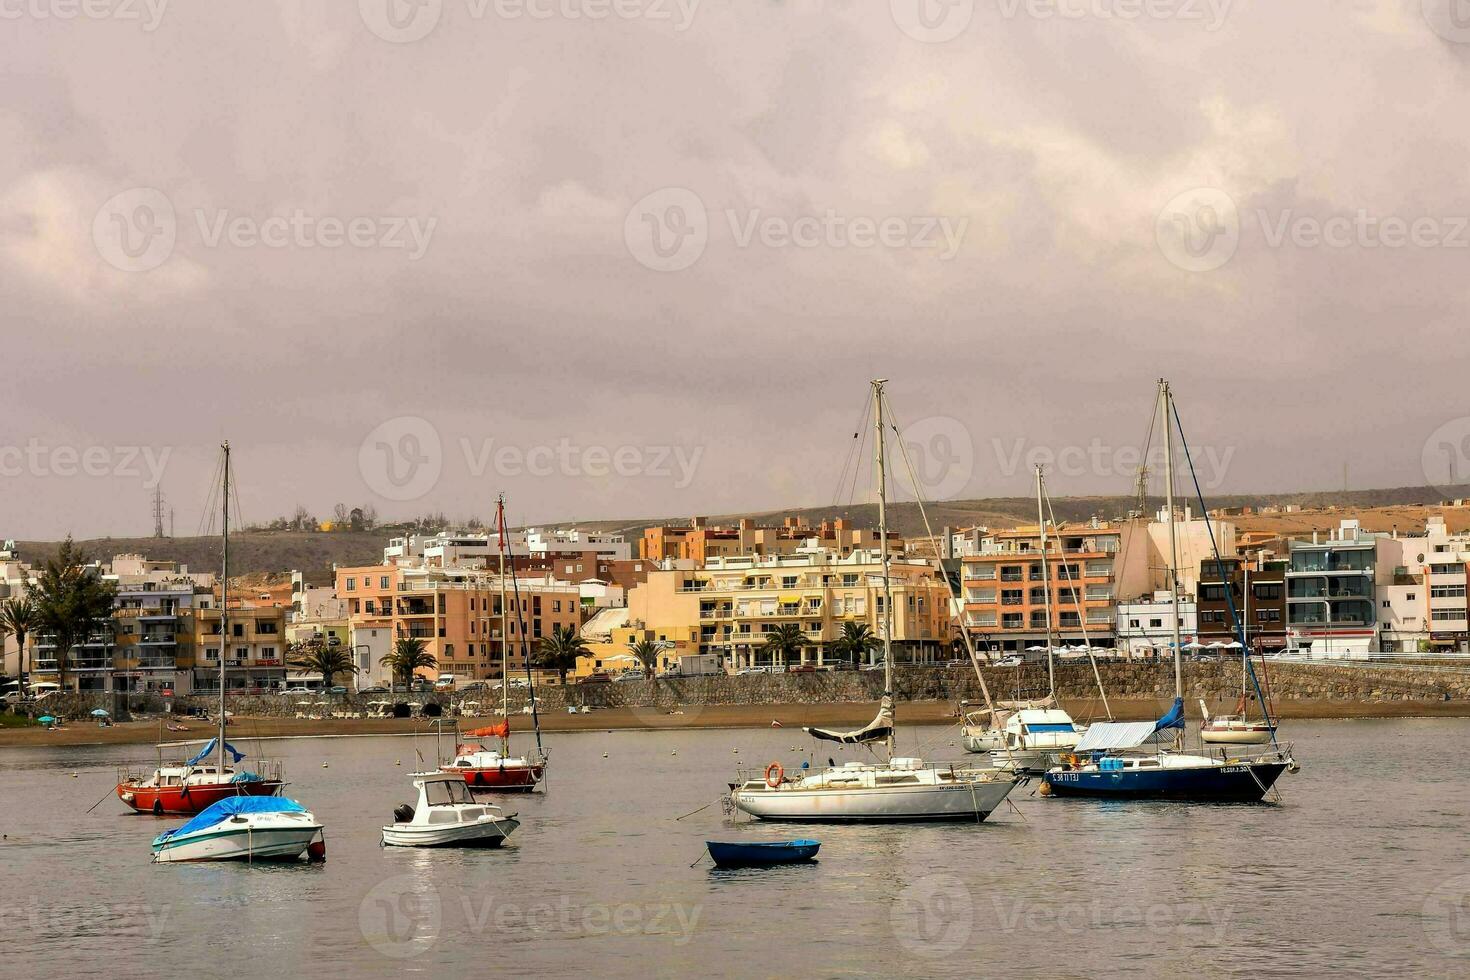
774 775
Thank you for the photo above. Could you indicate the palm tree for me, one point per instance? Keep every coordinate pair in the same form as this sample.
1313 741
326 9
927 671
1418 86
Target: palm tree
560 650
73 602
314 656
647 652
20 618
409 654
855 642
785 641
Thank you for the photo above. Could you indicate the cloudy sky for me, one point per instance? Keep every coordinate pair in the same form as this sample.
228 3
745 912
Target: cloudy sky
641 257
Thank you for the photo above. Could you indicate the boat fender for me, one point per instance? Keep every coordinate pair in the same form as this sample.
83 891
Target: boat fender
158 808
1044 789
774 775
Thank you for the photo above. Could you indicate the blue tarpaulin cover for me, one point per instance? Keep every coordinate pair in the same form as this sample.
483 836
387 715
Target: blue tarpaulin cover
222 810
1130 734
235 754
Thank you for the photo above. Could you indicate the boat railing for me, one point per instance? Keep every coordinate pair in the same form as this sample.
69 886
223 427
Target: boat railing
269 770
958 767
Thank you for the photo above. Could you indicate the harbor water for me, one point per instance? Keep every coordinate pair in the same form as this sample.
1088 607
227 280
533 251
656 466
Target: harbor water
1364 867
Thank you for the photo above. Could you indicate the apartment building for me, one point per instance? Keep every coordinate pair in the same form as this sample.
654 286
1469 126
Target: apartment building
1255 589
463 549
729 604
255 649
1330 595
149 644
1145 627
457 612
1088 567
1421 590
700 542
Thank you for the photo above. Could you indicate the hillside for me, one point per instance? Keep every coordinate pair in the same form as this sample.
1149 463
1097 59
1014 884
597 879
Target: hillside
279 552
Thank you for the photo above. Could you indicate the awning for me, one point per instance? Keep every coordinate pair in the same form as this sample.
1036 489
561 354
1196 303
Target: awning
790 600
1106 735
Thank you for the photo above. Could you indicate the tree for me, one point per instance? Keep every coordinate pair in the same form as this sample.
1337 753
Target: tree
20 618
73 602
855 642
314 656
560 650
647 652
785 641
409 654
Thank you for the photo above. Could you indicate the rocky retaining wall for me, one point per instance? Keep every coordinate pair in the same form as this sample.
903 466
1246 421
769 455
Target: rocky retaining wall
1215 682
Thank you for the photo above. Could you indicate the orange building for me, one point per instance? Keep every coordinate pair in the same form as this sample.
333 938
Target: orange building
699 542
457 613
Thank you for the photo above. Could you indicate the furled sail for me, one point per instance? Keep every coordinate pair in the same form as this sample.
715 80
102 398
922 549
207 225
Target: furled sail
876 730
235 754
501 730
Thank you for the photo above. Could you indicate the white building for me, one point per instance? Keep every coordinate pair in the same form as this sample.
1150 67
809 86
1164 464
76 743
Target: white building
1144 625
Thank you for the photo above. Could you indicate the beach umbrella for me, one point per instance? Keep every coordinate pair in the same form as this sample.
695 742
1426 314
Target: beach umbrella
1036 649
99 713
1232 645
1193 645
1217 645
46 719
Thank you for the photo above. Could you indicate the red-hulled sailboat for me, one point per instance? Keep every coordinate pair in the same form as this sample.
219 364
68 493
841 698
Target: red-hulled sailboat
494 768
191 786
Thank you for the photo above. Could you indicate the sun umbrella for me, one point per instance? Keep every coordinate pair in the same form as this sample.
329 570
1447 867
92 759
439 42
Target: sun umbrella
1217 645
1232 645
1194 645
1036 649
46 719
99 712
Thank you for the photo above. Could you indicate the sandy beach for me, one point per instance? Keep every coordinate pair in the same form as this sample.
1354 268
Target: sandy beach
794 716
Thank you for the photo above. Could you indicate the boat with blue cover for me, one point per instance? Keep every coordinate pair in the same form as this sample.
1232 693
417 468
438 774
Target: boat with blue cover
245 828
749 854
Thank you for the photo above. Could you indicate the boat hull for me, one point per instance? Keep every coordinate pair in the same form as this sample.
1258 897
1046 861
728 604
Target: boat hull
490 832
957 801
501 779
759 855
275 844
1236 736
1231 783
191 799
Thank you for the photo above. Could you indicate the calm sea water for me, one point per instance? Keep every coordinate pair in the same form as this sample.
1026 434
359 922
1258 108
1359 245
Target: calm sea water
1363 869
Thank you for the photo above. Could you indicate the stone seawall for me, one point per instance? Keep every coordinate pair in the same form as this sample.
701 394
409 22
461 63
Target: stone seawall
1215 682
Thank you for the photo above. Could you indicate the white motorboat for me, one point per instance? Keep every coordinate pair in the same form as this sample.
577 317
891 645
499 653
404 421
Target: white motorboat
904 789
1034 738
245 828
447 816
979 737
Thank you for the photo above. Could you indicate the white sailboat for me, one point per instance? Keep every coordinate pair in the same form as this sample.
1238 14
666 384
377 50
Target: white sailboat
902 788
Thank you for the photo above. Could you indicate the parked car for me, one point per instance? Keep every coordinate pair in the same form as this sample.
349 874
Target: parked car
475 686
957 663
750 670
629 675
802 669
841 665
375 689
338 689
598 677
1010 662
444 684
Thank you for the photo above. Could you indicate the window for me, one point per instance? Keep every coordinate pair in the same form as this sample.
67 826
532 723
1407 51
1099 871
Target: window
383 582
1133 624
1446 592
351 584
1271 590
265 628
1155 623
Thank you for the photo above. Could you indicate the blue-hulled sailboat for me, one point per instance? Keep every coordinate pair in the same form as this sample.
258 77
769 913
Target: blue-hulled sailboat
1106 762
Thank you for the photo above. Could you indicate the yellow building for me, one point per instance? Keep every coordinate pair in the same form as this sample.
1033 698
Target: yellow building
729 605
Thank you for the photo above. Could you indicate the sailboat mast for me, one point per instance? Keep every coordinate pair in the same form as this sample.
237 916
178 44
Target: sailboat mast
504 627
1164 405
1051 673
1245 618
224 606
883 548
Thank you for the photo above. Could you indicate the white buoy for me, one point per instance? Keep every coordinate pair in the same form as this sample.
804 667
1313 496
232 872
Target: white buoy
604 755
324 765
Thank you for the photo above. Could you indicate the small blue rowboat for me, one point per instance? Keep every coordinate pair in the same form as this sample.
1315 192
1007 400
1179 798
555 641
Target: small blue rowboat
757 854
